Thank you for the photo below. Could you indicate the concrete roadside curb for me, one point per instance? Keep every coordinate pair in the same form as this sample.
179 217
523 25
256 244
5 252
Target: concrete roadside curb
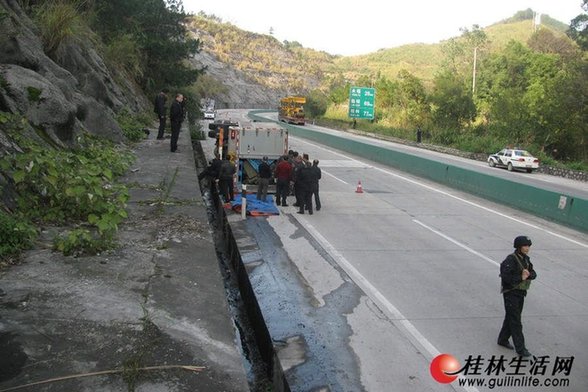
156 300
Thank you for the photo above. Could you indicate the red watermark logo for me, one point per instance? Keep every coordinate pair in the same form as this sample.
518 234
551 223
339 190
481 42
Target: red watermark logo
502 372
444 367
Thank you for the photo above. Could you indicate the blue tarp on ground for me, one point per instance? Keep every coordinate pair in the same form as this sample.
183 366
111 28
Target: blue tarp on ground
256 207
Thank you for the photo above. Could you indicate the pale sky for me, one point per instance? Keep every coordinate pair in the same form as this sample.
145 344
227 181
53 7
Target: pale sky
363 26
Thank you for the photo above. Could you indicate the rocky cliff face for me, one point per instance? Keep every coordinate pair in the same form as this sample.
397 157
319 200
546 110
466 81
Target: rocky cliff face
62 95
243 91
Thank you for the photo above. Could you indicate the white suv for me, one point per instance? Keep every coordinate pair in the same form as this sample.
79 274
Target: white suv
514 159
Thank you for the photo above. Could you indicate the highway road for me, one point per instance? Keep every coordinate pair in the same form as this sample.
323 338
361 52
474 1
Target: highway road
539 180
362 295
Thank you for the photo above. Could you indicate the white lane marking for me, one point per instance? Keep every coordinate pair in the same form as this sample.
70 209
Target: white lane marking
457 243
342 163
431 188
367 287
393 314
336 178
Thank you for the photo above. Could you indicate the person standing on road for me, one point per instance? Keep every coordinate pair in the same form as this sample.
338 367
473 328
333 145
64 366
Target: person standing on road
316 176
159 109
212 170
297 165
227 170
265 173
516 273
176 116
304 181
283 174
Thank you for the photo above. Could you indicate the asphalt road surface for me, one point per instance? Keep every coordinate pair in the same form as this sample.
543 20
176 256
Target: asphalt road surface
363 294
539 180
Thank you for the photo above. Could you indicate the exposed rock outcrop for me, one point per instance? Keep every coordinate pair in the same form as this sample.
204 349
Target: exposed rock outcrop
60 96
242 92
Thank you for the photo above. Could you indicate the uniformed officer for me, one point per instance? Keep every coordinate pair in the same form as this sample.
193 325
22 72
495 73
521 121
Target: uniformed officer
516 273
304 182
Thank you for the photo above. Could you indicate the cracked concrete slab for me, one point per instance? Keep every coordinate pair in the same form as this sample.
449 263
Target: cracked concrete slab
156 300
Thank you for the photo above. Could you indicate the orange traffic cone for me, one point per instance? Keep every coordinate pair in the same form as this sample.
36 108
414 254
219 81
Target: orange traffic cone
359 188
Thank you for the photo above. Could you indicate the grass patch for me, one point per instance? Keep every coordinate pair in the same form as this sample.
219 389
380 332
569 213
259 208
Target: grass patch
16 235
60 21
133 125
196 132
34 94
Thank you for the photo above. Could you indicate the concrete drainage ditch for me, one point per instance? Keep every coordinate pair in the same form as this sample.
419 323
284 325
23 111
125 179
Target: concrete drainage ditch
260 360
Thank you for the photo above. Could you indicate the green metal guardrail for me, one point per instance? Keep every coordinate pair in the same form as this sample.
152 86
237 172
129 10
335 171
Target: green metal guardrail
565 209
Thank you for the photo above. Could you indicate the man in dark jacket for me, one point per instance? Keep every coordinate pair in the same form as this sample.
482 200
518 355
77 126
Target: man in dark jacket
316 176
159 109
297 165
265 173
212 170
176 116
227 170
283 174
516 273
304 181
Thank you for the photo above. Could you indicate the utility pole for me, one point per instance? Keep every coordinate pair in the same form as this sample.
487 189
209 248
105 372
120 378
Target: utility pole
474 72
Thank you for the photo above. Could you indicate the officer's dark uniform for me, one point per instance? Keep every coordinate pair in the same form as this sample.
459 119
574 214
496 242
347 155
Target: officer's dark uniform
159 109
176 116
304 182
514 290
316 176
212 171
226 172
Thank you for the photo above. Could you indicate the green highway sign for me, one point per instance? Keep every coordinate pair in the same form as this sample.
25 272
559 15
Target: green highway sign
362 102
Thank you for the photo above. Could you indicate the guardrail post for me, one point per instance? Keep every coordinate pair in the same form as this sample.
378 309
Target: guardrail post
244 201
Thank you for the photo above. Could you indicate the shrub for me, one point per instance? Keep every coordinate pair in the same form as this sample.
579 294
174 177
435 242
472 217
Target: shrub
34 94
15 236
478 144
79 242
580 166
196 132
78 186
124 51
132 125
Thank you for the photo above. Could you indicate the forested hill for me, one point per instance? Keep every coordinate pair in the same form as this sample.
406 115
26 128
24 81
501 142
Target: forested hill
423 60
293 69
530 89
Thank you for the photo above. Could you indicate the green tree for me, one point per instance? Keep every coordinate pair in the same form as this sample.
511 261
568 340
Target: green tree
365 81
452 103
536 99
158 30
386 93
411 101
459 52
338 90
316 104
501 89
578 30
544 41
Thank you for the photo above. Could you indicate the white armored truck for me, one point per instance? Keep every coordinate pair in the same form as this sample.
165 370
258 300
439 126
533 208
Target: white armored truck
246 144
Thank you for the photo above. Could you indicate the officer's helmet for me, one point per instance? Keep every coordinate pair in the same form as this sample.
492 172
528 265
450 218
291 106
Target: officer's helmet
522 240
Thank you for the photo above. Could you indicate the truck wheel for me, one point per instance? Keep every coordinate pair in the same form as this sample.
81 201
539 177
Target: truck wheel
509 167
491 163
529 170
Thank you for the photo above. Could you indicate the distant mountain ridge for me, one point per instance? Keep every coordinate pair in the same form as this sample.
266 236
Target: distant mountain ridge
267 69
